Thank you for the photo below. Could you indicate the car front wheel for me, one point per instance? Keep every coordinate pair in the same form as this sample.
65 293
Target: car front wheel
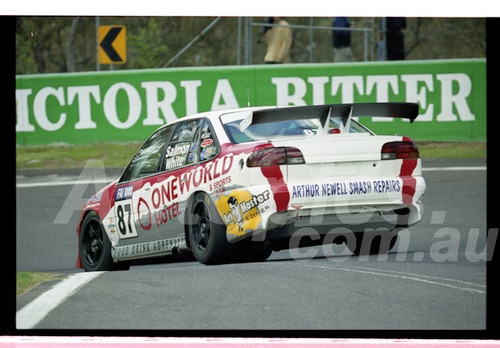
95 246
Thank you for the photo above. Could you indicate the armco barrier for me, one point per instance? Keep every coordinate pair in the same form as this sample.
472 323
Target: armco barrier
128 105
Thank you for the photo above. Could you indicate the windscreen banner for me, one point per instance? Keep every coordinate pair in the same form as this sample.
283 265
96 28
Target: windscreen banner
128 105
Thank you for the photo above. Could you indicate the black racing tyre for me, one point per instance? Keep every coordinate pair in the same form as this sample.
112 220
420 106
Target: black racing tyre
95 246
207 232
373 244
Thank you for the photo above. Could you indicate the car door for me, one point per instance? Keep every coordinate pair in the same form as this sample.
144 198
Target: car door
191 146
132 213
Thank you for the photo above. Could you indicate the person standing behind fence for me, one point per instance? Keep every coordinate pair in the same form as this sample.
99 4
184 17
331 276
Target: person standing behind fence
395 39
342 40
279 42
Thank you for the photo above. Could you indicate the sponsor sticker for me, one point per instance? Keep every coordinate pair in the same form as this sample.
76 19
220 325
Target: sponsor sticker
207 142
241 211
344 188
154 247
124 192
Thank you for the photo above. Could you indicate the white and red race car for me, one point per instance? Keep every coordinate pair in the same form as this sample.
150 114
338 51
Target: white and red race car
234 185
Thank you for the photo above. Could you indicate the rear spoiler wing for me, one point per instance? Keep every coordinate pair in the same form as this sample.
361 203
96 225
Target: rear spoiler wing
324 112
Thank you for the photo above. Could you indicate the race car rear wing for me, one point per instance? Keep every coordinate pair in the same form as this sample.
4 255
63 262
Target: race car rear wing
324 112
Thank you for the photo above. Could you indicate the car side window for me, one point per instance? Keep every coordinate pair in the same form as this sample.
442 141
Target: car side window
191 143
147 160
208 146
181 150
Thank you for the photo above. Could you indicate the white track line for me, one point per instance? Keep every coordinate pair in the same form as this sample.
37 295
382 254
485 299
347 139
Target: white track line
447 169
64 183
30 315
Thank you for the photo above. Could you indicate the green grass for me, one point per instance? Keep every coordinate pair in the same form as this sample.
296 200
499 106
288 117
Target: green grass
119 154
452 149
74 156
27 281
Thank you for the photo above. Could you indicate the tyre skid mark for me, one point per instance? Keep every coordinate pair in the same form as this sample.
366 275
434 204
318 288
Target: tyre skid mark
468 287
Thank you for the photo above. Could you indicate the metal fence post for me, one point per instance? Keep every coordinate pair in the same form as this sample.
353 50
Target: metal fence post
384 38
97 24
238 43
248 41
311 40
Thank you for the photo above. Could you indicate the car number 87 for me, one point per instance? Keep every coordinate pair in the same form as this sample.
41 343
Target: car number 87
125 220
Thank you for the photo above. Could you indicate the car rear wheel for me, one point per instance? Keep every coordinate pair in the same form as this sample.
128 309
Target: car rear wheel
207 232
371 244
95 246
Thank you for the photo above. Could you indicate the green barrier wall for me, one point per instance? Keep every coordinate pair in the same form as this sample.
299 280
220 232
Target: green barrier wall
129 105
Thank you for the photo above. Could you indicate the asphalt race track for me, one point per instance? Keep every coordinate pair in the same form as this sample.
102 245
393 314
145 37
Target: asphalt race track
435 277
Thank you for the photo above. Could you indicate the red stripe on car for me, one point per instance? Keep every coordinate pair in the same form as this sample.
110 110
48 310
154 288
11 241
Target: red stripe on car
406 174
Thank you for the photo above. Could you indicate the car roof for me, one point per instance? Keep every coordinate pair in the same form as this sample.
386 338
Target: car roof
217 113
213 115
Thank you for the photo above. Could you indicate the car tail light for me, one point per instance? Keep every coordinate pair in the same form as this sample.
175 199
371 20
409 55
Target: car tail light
400 150
275 156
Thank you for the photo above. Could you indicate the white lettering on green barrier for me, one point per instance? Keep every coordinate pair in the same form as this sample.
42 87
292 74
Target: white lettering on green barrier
454 88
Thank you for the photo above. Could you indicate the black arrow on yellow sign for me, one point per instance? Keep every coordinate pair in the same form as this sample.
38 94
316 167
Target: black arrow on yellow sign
112 44
106 44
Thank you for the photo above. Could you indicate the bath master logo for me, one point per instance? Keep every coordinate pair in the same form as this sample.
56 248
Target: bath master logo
241 210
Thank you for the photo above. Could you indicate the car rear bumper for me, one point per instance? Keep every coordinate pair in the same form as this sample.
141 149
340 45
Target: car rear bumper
382 203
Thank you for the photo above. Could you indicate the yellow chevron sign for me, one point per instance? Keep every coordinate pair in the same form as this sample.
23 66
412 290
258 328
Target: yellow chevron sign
112 44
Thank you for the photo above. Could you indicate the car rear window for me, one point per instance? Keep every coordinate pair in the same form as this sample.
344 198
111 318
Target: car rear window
282 128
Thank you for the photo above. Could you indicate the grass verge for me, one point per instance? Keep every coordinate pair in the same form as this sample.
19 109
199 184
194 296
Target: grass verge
452 149
27 281
74 156
119 154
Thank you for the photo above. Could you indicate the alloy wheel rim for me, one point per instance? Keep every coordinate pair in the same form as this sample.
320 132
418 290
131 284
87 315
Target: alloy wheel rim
201 228
93 244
